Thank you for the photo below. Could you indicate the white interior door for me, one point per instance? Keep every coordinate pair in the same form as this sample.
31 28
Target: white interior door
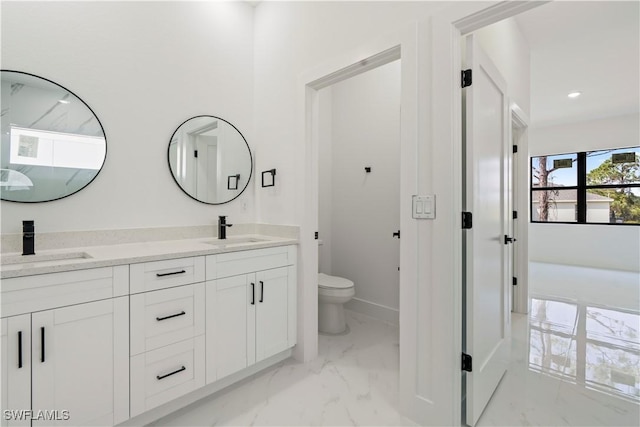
207 167
486 262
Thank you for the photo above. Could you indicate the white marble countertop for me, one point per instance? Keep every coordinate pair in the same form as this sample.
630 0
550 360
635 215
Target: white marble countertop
69 259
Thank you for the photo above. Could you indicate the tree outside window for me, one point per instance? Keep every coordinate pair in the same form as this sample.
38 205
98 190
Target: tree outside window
587 187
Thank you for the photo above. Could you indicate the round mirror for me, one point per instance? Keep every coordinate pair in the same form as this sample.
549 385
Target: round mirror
53 145
210 159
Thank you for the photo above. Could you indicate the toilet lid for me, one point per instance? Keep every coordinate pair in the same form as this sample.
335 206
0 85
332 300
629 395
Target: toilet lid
333 282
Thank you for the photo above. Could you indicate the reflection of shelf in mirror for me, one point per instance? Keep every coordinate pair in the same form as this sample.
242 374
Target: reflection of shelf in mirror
266 183
232 181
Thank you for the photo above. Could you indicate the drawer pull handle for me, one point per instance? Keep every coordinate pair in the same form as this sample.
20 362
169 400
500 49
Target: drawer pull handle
160 377
160 319
253 294
170 274
261 291
19 349
42 344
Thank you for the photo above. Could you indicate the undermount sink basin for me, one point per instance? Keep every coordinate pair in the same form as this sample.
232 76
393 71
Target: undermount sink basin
43 258
230 241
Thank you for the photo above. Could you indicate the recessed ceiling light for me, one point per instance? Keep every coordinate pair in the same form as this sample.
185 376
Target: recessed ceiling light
63 101
574 94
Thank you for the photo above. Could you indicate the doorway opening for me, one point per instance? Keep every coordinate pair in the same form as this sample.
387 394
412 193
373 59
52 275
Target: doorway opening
359 188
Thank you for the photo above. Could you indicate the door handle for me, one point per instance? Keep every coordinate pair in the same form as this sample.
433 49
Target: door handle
508 240
253 294
261 291
397 234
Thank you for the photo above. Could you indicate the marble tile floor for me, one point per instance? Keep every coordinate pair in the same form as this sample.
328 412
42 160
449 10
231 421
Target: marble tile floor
353 381
575 358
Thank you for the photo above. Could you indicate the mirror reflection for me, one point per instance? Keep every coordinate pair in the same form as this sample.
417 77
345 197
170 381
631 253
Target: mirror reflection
53 145
210 159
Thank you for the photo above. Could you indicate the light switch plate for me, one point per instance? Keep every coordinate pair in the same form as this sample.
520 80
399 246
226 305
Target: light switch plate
424 207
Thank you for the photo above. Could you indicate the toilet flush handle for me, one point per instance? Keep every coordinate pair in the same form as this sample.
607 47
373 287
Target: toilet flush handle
397 234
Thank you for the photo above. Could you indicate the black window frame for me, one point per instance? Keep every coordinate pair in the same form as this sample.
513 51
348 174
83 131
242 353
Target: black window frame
581 188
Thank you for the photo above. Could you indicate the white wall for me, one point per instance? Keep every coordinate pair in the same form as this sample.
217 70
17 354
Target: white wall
292 38
144 68
507 47
364 209
598 246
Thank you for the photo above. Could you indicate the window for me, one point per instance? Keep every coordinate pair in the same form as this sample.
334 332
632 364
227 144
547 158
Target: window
593 187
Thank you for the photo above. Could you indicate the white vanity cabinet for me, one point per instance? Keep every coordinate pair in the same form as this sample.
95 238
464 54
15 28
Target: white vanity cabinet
67 364
167 331
100 346
250 304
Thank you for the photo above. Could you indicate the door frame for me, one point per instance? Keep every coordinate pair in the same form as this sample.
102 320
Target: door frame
520 121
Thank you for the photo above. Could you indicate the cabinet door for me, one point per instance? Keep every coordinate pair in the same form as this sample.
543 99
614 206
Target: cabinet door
230 325
16 370
272 314
81 363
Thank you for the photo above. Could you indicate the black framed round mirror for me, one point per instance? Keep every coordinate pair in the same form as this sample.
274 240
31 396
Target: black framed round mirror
53 144
210 159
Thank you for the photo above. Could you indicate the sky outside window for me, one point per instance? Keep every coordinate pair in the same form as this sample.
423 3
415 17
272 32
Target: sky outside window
562 177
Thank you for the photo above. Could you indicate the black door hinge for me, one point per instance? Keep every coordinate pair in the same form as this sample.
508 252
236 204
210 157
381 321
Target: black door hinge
515 148
515 214
316 235
467 220
466 78
515 281
195 153
467 362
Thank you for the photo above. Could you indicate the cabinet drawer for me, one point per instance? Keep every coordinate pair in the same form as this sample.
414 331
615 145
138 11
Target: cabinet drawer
47 291
234 263
151 276
165 374
164 317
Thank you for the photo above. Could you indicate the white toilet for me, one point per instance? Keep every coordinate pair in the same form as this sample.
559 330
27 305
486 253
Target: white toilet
333 292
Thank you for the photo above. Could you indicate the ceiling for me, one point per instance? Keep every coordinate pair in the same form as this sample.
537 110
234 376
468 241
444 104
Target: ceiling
592 47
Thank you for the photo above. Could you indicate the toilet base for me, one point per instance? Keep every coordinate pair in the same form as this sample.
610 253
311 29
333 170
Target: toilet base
345 332
331 319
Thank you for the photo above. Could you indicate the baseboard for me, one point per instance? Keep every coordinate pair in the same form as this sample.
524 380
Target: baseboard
206 391
379 311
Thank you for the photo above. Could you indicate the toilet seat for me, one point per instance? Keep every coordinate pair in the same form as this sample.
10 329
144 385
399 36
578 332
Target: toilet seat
332 282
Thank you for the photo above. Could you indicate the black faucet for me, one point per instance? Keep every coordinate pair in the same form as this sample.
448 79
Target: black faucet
28 238
222 227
